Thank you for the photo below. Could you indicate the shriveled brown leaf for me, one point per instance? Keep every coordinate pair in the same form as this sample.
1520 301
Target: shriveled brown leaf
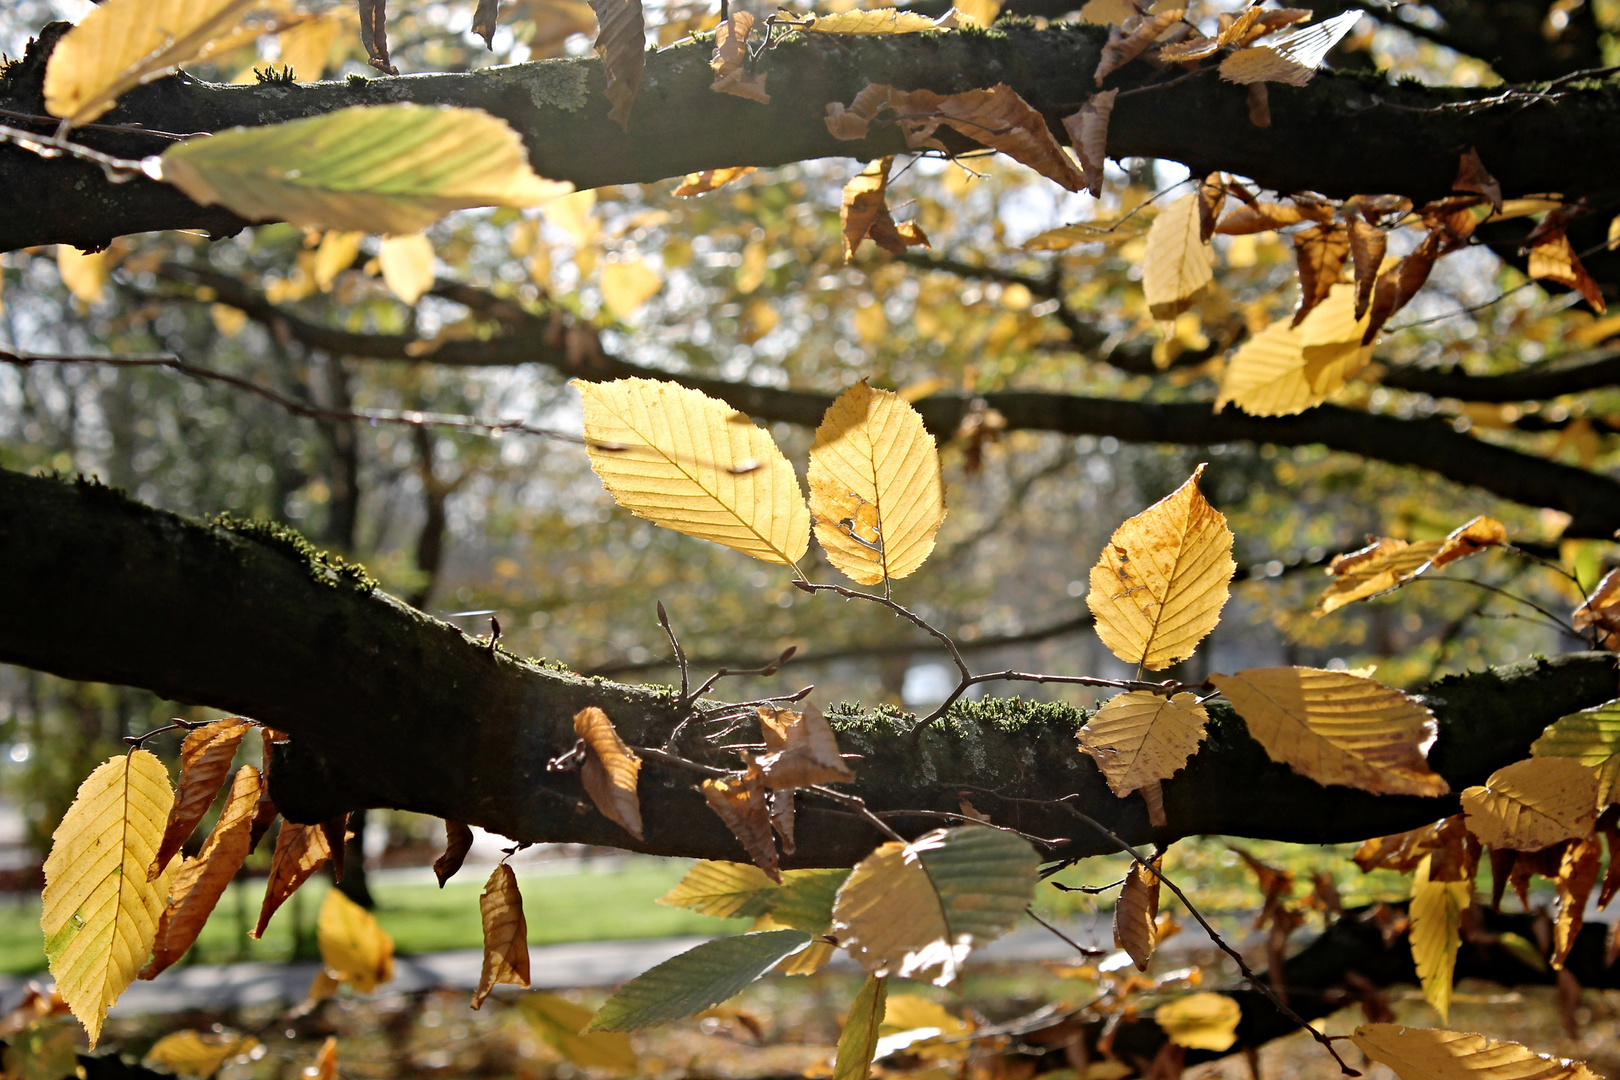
806 752
699 183
1088 133
205 765
1320 253
997 118
1259 102
864 203
337 841
1600 612
1192 48
506 935
1577 874
1400 283
1127 43
484 18
1452 851
851 122
1367 244
1135 913
741 802
730 61
610 771
264 815
1259 217
300 851
458 840
1611 873
1211 196
1553 259
621 42
374 34
1380 566
782 818
1472 176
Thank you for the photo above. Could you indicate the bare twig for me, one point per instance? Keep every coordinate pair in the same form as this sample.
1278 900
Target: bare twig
1079 948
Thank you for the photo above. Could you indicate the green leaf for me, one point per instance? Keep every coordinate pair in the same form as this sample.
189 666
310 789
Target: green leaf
1592 737
696 979
859 1040
369 168
725 890
805 899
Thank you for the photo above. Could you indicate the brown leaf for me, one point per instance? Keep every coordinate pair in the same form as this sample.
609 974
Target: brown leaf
1453 215
1195 47
300 851
1452 852
1600 612
621 42
374 34
1502 863
1259 217
1320 253
1211 195
1259 101
1367 243
610 771
506 935
1611 874
1577 874
1088 133
1400 283
1135 912
1553 259
1471 176
852 122
1153 795
337 840
1127 43
730 61
864 203
709 179
740 800
997 118
205 765
782 818
1478 534
199 884
806 753
458 840
483 23
1569 1003
264 815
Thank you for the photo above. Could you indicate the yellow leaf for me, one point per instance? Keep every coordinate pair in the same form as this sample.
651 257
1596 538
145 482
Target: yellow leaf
407 265
978 12
85 275
1436 1054
227 320
876 21
124 43
875 490
1141 737
1161 581
801 750
99 912
1600 612
195 1053
559 1023
1200 1021
370 168
1136 913
699 183
1533 804
336 254
325 1067
574 215
610 771
1179 265
300 851
725 890
693 464
352 944
1376 568
307 47
1592 737
205 764
858 1042
506 934
1284 369
626 285
1290 58
1436 934
1336 727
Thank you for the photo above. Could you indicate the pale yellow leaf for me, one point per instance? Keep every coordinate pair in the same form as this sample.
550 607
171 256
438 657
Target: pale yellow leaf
1201 1021
407 265
1336 727
725 890
85 275
196 1053
806 750
1136 913
506 940
978 12
1161 581
693 464
307 47
1139 737
699 183
1533 804
1436 934
99 911
124 43
559 1023
336 253
875 490
369 168
575 215
1284 369
1179 265
1436 1054
611 771
1592 737
627 284
205 765
876 21
352 944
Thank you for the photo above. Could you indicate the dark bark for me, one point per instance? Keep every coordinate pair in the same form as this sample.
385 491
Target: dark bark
388 707
1532 384
1341 135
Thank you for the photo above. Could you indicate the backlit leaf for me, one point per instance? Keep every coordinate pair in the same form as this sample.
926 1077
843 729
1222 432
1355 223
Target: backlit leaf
506 934
124 43
352 944
407 265
1397 285
864 203
300 851
99 912
1128 42
875 491
1533 804
1592 737
205 765
732 74
1577 874
561 1025
337 252
84 274
306 48
1319 253
1554 259
696 979
611 771
699 183
1136 915
725 890
1140 737
740 801
1161 581
370 168
1436 934
195 1053
805 750
1178 266
909 909
458 840
1290 58
197 885
1600 612
997 118
877 21
1286 369
1367 245
693 464
1259 217
1088 134
1337 728
1387 563
627 284
1436 1054
1200 1021
860 1036
621 42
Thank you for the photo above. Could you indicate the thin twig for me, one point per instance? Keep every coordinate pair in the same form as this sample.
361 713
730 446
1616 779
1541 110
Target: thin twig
858 804
967 819
1079 948
48 146
898 609
1558 623
675 647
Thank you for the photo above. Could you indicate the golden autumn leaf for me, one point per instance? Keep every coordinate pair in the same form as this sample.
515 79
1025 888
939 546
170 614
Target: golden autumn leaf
876 496
627 284
1533 804
1161 581
1288 368
621 42
1140 737
611 770
560 1023
693 464
506 934
1259 217
1397 285
196 1053
1201 1021
725 890
864 202
124 43
876 21
352 944
858 1042
1554 259
1577 874
1319 254
367 168
99 911
407 266
1290 58
730 62
1132 39
325 1067
1088 133
1600 612
1387 563
740 801
1135 914
1367 245
205 765
198 884
337 252
84 274
700 183
458 840
996 117
306 47
1436 935
1178 266
300 851
805 750
1336 727
1435 1054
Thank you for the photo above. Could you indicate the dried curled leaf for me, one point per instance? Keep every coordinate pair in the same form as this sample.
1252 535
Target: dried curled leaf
1161 581
1533 804
852 122
1130 41
1600 612
300 851
1553 259
205 765
1436 934
1367 244
1397 285
1387 563
1320 253
458 839
1088 133
506 934
1452 853
1338 728
1259 217
997 118
1435 1054
699 183
1473 176
1577 875
1290 58
801 750
730 62
610 771
621 42
1179 265
1286 369
740 801
1139 737
1136 913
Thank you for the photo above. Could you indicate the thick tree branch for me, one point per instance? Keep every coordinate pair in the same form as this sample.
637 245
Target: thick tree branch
1539 383
388 707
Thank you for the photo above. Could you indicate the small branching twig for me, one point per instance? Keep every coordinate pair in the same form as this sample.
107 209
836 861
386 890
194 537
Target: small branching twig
136 741
675 647
858 804
1079 948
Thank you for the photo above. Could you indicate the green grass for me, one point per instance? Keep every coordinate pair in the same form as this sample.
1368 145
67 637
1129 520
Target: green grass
613 900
